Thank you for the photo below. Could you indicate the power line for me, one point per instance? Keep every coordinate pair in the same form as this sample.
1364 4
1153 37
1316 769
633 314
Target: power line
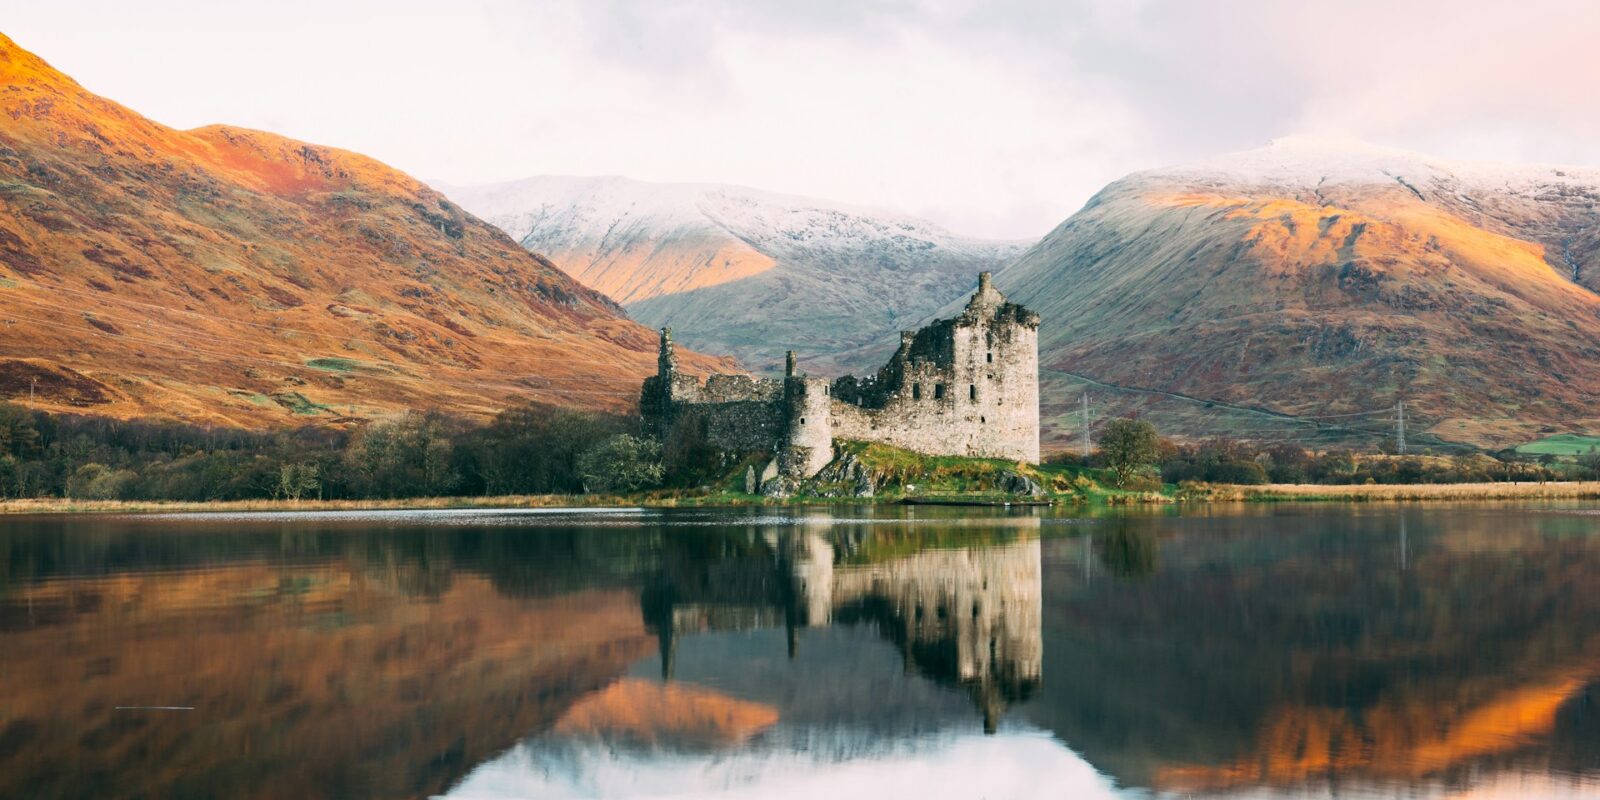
1290 432
1341 416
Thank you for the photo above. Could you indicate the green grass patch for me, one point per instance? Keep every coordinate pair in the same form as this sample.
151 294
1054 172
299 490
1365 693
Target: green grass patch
299 404
903 473
340 365
1561 444
255 398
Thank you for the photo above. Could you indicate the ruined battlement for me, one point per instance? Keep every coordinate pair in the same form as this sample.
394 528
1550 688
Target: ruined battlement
968 385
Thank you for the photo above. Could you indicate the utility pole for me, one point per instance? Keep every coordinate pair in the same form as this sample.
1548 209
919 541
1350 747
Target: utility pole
32 384
1086 450
1400 427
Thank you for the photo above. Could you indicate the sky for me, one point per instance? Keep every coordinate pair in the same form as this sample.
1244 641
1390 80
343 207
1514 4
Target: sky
995 118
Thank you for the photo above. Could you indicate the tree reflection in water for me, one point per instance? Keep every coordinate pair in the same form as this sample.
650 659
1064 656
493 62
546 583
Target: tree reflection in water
1127 550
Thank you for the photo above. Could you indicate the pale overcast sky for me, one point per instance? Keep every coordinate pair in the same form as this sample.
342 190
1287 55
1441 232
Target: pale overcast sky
994 118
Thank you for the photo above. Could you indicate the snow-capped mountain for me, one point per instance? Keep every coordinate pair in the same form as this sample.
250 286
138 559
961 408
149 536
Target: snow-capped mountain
1554 206
1315 277
743 271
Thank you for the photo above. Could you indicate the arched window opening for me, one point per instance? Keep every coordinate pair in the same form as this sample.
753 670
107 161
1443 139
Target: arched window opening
938 391
916 391
989 357
972 391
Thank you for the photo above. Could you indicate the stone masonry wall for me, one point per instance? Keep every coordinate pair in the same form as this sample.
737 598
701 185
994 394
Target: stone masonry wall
964 386
967 386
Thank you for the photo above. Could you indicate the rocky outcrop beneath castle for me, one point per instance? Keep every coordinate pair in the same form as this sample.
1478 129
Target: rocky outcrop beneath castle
966 386
851 475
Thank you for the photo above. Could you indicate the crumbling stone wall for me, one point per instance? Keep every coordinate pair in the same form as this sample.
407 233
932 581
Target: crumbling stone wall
738 413
962 386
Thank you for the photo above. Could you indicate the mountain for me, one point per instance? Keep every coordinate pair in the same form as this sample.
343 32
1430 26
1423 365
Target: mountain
740 271
1326 279
230 276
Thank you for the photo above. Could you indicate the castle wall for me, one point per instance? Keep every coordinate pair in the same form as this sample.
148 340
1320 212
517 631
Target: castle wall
972 389
964 386
737 413
739 427
809 440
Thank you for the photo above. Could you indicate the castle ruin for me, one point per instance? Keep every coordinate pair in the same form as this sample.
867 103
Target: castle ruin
968 616
966 386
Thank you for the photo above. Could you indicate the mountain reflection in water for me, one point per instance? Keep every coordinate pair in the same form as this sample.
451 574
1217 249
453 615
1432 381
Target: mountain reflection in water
890 652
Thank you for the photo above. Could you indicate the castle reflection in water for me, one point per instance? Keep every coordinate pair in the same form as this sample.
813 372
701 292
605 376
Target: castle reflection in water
965 615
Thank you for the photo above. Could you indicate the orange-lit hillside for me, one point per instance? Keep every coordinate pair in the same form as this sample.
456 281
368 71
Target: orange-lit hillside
305 680
644 711
1313 279
231 276
1406 742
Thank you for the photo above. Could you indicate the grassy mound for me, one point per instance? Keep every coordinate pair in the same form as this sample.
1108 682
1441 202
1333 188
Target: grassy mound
1561 444
896 473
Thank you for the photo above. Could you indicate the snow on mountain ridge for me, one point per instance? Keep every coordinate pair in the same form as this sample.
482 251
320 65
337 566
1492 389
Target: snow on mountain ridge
1312 161
744 271
576 208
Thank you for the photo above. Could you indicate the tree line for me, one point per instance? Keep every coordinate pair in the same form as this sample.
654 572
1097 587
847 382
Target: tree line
535 448
1139 457
527 449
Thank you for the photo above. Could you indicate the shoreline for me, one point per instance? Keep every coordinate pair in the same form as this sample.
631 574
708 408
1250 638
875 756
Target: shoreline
1214 493
1406 492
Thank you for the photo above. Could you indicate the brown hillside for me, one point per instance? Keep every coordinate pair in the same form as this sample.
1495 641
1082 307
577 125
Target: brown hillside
1314 279
231 276
329 678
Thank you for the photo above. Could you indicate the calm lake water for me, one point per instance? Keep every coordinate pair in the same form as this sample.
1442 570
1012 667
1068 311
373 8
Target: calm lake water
1261 652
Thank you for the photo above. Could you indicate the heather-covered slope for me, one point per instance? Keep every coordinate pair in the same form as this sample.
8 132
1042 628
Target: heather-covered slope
232 276
1318 278
740 271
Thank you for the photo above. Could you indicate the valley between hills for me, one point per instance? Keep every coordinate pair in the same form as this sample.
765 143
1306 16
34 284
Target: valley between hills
1297 292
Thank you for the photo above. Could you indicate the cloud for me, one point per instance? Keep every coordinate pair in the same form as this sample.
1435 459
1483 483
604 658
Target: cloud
996 118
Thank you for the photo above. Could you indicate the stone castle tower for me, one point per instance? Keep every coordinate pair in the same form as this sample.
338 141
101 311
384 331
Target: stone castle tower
965 386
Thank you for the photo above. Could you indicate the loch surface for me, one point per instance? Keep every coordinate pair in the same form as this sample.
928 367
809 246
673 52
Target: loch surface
1360 650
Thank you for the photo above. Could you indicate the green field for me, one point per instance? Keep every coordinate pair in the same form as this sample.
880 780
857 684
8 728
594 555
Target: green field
1561 444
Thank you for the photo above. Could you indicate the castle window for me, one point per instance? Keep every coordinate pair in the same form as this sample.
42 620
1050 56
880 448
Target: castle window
916 391
989 357
938 391
972 391
983 420
802 420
